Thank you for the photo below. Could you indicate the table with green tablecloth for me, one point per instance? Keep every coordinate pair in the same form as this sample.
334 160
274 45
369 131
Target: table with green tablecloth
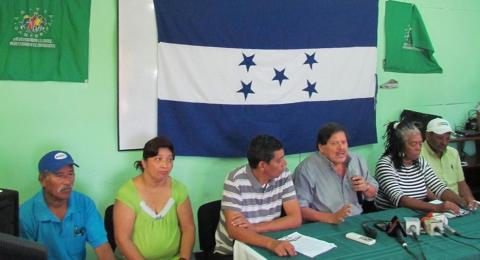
386 247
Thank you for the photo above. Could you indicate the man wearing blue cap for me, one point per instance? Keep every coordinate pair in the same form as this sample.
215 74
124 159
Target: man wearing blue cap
61 219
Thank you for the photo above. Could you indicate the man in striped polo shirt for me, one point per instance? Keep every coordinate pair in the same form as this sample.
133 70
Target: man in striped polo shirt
253 197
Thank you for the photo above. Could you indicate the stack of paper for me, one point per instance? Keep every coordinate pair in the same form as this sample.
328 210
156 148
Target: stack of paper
308 246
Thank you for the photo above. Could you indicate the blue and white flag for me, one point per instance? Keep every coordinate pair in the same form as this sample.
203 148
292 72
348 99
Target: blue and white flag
230 70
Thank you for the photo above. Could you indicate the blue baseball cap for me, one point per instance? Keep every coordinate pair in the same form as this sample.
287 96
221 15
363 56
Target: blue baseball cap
54 161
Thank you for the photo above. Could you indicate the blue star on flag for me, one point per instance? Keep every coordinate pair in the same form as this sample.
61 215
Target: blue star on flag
310 60
247 61
279 75
310 88
246 89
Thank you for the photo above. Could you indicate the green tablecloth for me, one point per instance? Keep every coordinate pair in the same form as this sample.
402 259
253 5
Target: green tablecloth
434 247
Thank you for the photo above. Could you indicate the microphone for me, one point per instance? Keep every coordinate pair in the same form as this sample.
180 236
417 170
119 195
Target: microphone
400 238
412 224
434 225
440 231
359 193
382 226
396 230
413 230
369 232
360 197
451 230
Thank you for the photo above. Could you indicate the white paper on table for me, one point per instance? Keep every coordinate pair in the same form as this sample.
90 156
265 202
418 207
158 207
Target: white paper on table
451 214
436 202
308 246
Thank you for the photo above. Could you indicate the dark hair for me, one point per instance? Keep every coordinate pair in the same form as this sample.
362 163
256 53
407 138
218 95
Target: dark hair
262 148
327 130
151 149
395 138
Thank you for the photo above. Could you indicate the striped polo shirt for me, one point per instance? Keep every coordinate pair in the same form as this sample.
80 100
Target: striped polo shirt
412 181
258 203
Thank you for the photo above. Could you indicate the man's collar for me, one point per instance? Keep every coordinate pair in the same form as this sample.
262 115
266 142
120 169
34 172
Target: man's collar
45 214
253 180
431 151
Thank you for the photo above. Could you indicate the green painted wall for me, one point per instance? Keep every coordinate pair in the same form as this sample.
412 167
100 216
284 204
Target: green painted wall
82 118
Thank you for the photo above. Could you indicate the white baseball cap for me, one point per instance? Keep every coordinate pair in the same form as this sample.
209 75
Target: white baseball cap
439 126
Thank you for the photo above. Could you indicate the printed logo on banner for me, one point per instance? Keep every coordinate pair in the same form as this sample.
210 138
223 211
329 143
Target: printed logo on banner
32 29
408 43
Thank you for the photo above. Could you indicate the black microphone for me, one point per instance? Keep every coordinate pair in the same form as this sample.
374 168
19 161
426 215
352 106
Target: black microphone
369 232
400 238
438 230
413 230
359 193
360 197
396 230
451 230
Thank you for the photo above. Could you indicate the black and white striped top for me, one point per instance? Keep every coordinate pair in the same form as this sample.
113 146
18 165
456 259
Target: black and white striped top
411 181
258 203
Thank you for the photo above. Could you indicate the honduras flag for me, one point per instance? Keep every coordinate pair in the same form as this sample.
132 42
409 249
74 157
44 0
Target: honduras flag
232 69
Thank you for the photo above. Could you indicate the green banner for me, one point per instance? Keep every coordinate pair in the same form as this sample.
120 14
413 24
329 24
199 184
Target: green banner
408 48
44 40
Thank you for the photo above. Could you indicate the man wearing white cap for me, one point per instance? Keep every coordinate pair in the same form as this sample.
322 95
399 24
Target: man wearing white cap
445 160
59 218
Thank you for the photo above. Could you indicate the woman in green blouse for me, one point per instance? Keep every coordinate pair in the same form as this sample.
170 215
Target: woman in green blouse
152 214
